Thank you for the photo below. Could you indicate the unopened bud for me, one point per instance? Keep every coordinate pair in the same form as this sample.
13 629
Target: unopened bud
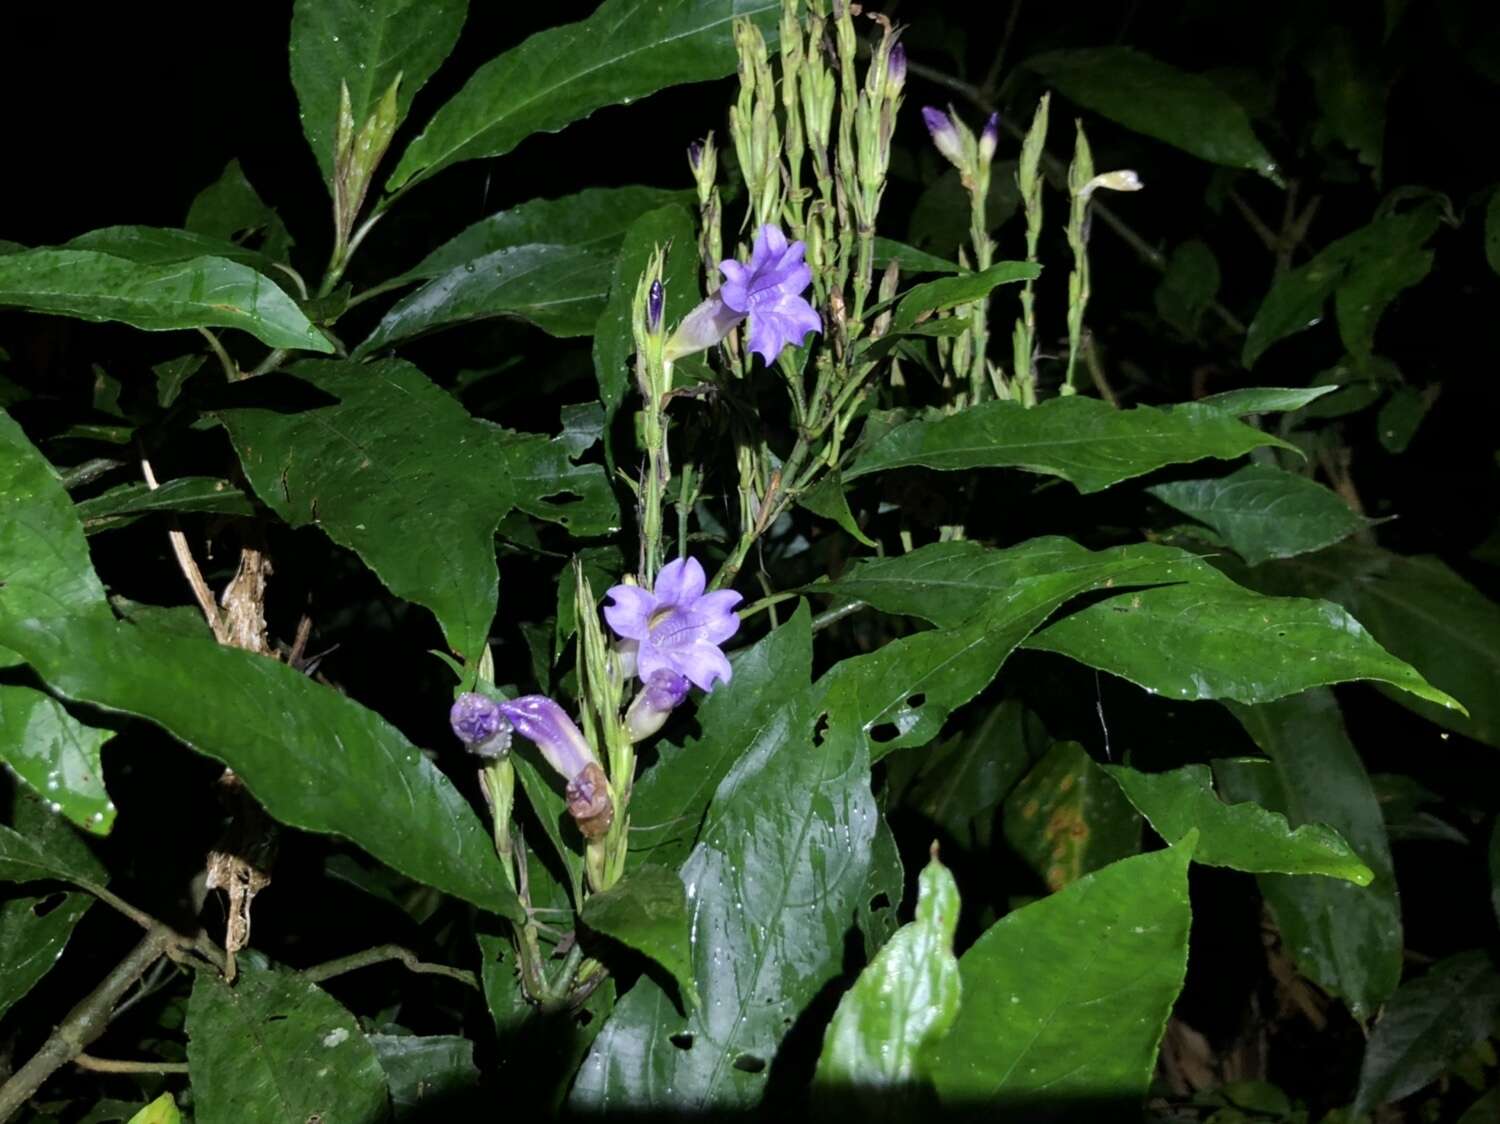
989 138
480 724
944 135
895 69
1124 180
662 694
589 803
654 304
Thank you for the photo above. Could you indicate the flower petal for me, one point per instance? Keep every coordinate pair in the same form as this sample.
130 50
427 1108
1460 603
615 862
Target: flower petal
631 611
680 582
703 327
714 614
703 664
735 290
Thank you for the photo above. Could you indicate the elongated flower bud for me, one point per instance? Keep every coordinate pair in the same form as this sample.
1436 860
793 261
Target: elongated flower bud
944 135
989 138
895 69
480 725
540 720
649 710
655 302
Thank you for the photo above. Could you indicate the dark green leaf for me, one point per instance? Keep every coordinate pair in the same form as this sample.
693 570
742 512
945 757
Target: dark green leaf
1492 231
1189 286
314 758
276 1048
1346 938
1263 399
1066 819
1351 97
900 1007
594 219
427 1074
1240 836
772 885
56 755
171 375
205 292
614 341
648 911
827 498
1427 1026
1399 418
560 289
398 471
744 718
33 934
125 503
1082 440
1066 999
1263 512
910 259
543 792
949 292
230 208
366 45
1486 1110
1185 110
1219 641
1422 612
159 245
621 53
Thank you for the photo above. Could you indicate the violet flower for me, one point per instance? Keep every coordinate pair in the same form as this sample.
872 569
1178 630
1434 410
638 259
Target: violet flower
768 289
662 693
944 134
480 725
540 720
677 627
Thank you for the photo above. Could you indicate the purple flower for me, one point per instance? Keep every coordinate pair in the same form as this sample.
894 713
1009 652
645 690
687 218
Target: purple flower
480 725
655 301
944 134
677 626
539 719
649 710
989 138
895 66
768 290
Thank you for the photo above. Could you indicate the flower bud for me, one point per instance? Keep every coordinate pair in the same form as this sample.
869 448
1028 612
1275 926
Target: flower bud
895 69
480 725
989 138
589 803
944 135
662 694
1124 180
695 155
655 302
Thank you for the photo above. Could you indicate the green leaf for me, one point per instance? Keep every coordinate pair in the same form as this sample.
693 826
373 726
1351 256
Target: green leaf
950 583
275 1047
205 292
900 1007
1188 287
560 289
33 934
56 755
623 52
1345 938
614 341
159 245
1427 1026
647 910
593 219
757 709
1082 440
1492 231
948 292
125 503
1263 399
1399 418
427 1073
163 1110
397 471
542 788
828 498
1066 999
1421 611
1187 111
334 767
773 885
1206 641
1351 97
1486 1110
1239 836
910 259
230 208
1264 512
366 44
1066 819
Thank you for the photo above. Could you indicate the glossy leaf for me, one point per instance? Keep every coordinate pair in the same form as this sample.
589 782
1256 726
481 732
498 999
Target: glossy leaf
910 259
1241 836
647 910
560 289
393 468
757 710
57 755
275 1047
365 45
1263 399
1065 1000
163 1110
39 845
123 504
902 1004
829 498
1420 610
1263 512
621 53
314 758
949 292
773 884
1066 819
230 208
1346 938
427 1073
1427 1026
33 934
1083 440
1148 96
949 583
593 219
158 245
203 292
1219 641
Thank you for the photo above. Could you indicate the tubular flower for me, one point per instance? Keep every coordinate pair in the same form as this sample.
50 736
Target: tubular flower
480 725
768 289
658 697
677 627
539 719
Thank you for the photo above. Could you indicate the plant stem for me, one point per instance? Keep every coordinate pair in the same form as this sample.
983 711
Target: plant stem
380 954
111 1065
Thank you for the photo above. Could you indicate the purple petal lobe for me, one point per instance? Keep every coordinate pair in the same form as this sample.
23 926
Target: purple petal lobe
539 719
631 611
680 582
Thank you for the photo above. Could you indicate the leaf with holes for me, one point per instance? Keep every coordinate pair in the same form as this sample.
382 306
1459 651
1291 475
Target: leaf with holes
33 934
57 755
39 845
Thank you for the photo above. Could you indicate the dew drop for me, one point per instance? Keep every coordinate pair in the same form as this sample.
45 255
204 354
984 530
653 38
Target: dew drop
54 807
